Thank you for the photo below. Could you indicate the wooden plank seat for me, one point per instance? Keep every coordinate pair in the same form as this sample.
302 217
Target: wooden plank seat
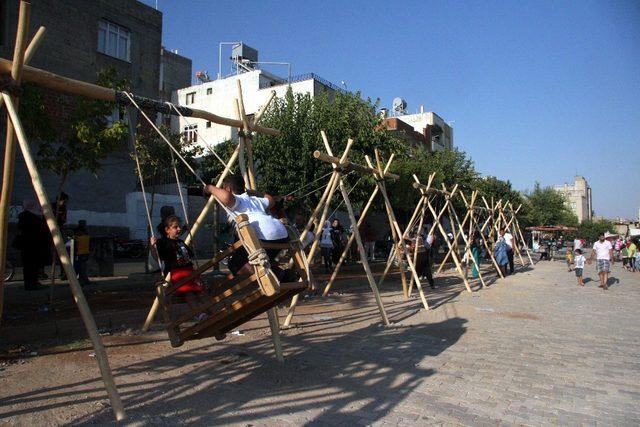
232 301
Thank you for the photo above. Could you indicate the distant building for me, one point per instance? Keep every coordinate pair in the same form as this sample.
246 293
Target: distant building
424 128
578 197
218 97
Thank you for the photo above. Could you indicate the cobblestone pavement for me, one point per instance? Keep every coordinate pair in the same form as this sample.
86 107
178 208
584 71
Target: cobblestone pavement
531 349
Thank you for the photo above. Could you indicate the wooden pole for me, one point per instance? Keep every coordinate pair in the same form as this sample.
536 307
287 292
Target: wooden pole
248 172
415 255
484 241
10 146
10 151
444 236
77 87
467 245
76 289
325 211
363 254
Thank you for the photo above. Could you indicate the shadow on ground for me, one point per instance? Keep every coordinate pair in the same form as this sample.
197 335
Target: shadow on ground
354 377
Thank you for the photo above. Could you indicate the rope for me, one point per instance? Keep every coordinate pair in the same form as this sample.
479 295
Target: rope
306 185
140 177
164 138
209 147
317 189
184 208
348 193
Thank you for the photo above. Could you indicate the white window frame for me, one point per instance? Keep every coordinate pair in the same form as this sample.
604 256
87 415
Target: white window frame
190 133
122 40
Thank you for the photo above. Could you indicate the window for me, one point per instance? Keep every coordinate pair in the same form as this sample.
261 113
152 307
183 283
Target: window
573 205
113 117
208 124
114 40
191 98
209 91
191 133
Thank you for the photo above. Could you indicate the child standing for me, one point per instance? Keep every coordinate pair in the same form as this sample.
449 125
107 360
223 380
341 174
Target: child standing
569 259
326 246
81 236
579 266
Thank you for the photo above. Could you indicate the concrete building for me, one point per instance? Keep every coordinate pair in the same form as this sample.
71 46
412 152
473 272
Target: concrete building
218 96
578 197
175 73
82 38
423 128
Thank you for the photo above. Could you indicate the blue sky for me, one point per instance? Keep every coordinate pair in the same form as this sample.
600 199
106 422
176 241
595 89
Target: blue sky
536 91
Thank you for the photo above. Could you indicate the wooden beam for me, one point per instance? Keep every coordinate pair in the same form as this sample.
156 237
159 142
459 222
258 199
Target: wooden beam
58 241
10 151
350 166
77 87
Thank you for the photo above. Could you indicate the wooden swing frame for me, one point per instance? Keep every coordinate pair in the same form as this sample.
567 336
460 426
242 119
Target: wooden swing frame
319 216
16 71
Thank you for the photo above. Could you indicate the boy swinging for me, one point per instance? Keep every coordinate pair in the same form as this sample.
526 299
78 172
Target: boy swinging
255 205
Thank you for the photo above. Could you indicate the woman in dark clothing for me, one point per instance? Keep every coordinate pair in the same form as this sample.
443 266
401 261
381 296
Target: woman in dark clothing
32 241
337 231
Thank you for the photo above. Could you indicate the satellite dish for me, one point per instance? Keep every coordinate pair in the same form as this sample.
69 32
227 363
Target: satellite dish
399 105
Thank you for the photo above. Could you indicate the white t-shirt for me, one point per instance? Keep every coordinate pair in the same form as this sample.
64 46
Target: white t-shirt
508 239
266 226
580 260
602 249
325 238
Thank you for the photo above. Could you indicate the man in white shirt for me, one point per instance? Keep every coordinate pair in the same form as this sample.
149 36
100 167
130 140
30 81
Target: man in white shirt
509 240
254 204
603 252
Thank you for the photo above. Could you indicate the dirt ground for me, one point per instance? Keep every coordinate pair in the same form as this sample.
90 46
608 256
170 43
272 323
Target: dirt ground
473 358
44 344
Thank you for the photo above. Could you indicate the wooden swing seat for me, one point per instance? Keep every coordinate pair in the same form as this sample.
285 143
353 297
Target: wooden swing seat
235 299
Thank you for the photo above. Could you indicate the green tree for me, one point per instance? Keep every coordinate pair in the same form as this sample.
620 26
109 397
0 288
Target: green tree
285 163
451 167
210 164
591 229
490 186
83 138
545 206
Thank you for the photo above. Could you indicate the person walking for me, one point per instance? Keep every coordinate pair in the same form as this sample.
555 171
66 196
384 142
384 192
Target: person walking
500 254
579 266
81 237
603 253
326 246
510 241
632 249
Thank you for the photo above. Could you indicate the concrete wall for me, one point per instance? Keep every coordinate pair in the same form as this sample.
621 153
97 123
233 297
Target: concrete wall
421 121
218 97
69 48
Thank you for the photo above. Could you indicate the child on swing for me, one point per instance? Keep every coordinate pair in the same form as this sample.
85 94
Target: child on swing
175 257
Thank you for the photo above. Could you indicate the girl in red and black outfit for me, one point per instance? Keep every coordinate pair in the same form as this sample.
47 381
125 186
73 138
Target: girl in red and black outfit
176 259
